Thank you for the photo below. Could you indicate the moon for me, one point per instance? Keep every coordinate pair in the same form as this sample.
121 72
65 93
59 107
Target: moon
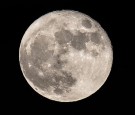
65 56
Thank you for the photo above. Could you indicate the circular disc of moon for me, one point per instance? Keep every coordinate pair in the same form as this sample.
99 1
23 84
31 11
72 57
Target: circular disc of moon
65 56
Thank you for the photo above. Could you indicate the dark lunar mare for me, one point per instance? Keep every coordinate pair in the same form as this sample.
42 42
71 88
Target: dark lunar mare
77 41
96 37
66 80
40 54
86 23
58 64
39 51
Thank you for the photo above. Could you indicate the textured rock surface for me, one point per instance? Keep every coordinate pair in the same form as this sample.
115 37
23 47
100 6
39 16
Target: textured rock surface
60 80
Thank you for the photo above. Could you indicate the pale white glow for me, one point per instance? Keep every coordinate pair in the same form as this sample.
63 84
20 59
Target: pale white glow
90 66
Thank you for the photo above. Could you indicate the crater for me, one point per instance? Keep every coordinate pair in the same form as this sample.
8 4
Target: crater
58 91
86 23
94 53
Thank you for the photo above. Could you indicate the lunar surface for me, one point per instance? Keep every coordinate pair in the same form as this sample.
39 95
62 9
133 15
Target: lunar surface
65 56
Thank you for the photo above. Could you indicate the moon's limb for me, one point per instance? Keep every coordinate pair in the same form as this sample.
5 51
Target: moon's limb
61 56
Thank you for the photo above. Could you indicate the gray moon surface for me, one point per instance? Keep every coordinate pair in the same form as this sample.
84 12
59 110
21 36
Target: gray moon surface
65 56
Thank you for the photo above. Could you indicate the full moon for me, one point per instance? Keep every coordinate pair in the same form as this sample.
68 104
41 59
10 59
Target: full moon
65 56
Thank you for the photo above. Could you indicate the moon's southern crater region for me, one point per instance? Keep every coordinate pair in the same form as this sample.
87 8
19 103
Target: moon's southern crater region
65 56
